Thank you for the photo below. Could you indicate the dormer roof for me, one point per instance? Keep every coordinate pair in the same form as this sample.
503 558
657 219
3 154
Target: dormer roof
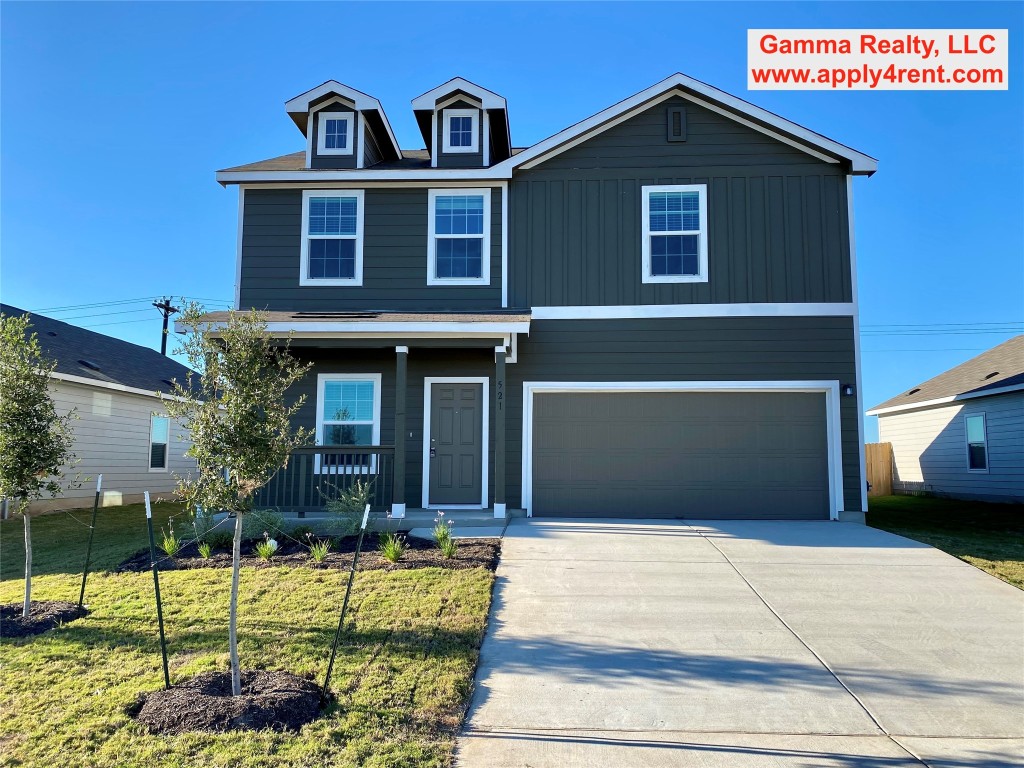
300 107
426 104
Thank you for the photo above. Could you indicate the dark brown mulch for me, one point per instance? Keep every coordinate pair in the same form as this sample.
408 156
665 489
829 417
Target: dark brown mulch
44 616
277 700
421 553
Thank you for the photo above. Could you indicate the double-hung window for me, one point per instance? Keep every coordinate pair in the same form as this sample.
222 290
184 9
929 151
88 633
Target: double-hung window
458 238
461 132
332 237
675 234
159 437
334 133
348 414
977 443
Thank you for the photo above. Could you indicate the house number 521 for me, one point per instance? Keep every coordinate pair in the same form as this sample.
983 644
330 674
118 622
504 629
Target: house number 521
501 395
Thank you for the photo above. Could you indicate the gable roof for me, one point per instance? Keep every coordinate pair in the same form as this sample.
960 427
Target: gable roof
298 110
707 96
107 361
999 370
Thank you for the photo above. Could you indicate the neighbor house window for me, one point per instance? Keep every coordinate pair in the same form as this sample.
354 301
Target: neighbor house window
977 444
675 234
334 133
461 132
458 247
348 414
332 237
159 436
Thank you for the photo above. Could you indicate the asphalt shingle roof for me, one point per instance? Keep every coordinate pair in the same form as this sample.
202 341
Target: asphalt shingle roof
412 159
91 355
999 367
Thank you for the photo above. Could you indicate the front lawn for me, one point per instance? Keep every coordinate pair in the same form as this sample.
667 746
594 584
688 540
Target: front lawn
403 675
988 536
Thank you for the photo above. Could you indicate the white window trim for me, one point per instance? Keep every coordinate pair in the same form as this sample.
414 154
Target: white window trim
485 438
446 131
967 443
645 243
485 254
357 278
321 136
167 452
321 385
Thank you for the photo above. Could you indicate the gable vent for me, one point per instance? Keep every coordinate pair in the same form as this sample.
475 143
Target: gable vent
676 123
991 375
89 364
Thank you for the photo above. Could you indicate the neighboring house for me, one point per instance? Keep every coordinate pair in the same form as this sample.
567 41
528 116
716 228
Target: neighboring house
961 434
121 430
651 313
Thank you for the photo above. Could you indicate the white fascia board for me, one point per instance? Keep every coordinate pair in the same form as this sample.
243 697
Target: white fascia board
946 400
426 174
379 329
85 381
646 311
861 163
488 99
362 101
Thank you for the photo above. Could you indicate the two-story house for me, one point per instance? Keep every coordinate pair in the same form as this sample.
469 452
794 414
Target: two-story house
652 313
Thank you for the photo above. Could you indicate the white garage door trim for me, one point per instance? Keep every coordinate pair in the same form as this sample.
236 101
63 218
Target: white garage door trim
832 423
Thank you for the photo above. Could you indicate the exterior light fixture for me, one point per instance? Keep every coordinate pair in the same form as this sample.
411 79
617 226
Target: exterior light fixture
847 389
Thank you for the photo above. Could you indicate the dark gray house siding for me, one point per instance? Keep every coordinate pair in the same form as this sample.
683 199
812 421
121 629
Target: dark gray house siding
706 349
460 159
777 217
394 257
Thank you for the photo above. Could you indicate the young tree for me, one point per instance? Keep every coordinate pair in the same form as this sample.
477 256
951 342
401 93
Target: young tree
240 424
35 441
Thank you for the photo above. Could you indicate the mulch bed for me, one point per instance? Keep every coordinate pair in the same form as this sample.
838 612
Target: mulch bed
276 700
421 553
44 616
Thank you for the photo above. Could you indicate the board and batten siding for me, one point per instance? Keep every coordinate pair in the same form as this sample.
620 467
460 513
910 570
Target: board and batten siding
394 257
777 217
112 438
929 448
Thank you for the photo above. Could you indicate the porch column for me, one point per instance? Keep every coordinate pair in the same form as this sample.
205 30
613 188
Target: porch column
499 431
398 474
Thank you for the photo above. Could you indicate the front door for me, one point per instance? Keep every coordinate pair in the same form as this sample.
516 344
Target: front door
456 443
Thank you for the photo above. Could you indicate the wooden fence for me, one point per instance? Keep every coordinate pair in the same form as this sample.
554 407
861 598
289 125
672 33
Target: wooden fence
878 458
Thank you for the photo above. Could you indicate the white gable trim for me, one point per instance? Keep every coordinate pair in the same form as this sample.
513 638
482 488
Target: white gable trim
488 99
726 104
361 101
946 400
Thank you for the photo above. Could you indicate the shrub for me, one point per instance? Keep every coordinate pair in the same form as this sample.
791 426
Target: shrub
392 546
266 548
348 506
260 522
449 547
301 533
169 542
205 550
318 549
219 540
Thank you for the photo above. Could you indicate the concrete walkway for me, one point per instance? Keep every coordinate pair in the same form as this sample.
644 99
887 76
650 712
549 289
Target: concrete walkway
736 644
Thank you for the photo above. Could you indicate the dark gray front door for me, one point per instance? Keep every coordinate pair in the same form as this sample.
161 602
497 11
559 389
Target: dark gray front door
667 454
456 443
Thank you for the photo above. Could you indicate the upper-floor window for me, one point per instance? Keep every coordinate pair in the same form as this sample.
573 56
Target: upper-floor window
332 237
459 240
159 437
334 133
461 132
977 443
675 234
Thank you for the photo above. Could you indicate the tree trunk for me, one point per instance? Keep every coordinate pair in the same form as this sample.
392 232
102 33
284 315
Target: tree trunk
28 563
236 562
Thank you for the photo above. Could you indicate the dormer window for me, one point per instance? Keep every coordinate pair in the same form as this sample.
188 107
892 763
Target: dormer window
334 133
461 130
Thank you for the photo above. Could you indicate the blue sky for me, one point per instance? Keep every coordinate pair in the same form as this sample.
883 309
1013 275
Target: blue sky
116 115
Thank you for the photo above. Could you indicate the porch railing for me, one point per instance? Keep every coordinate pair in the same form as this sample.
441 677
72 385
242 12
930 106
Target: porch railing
317 474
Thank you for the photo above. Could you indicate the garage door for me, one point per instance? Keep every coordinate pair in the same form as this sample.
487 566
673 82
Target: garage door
680 454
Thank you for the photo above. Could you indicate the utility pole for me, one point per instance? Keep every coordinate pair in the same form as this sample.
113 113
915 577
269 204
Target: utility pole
166 309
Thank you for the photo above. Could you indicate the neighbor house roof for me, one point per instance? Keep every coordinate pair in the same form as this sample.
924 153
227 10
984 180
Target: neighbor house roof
999 370
88 357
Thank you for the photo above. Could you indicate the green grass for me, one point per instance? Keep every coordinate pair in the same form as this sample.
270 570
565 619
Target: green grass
403 674
988 536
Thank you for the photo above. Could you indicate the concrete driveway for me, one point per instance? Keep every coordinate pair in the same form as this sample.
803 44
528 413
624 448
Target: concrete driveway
736 644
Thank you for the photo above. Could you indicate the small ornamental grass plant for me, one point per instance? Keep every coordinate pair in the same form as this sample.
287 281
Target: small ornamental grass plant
318 549
205 550
443 536
170 544
266 548
392 546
